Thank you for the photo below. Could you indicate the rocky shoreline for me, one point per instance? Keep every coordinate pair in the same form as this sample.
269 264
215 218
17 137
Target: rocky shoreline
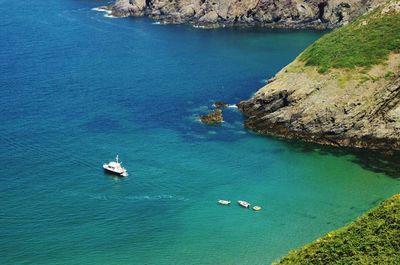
300 102
355 105
315 108
291 14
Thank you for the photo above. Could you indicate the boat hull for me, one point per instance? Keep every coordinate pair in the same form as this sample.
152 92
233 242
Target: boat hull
115 168
110 172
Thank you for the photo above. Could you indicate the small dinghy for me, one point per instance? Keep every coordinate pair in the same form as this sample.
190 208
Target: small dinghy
257 208
115 168
224 202
244 204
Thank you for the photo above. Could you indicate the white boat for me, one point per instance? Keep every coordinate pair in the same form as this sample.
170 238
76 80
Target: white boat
244 204
115 167
224 202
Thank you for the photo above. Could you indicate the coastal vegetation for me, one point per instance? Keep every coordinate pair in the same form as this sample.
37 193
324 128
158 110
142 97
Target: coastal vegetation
365 42
317 97
343 90
374 238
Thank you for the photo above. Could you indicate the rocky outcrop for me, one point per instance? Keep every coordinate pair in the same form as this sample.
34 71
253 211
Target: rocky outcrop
220 104
269 13
213 117
344 90
354 108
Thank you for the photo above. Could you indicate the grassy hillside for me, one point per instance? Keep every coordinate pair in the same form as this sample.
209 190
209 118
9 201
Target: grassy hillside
365 42
374 238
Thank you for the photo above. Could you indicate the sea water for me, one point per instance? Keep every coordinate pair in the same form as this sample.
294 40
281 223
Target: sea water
78 88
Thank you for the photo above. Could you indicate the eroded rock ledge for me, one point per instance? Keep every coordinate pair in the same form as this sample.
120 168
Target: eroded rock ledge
269 13
341 108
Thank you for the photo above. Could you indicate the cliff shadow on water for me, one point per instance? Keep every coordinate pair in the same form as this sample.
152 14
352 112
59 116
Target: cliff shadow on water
375 161
232 130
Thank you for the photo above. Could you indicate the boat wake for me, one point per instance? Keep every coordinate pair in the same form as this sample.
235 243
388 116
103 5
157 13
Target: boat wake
138 198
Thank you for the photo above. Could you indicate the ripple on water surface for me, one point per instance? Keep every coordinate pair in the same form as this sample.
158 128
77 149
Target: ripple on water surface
74 98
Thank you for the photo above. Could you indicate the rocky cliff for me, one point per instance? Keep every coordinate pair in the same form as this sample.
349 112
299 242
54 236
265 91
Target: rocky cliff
343 90
269 13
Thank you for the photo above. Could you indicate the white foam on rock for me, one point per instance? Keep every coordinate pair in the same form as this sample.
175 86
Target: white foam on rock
99 9
106 11
232 106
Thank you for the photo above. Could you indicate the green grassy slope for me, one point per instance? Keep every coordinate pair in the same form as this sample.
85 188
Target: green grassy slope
365 42
374 238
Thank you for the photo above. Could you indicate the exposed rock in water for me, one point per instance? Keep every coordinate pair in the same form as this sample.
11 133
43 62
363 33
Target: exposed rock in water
269 13
213 117
220 104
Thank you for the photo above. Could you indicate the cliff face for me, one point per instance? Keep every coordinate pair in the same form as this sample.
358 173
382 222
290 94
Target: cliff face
343 90
332 109
270 13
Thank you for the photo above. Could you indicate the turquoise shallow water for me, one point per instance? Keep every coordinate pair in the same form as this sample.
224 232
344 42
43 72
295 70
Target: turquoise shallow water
78 88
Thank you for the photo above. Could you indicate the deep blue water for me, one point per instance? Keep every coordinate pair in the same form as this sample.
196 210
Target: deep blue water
77 88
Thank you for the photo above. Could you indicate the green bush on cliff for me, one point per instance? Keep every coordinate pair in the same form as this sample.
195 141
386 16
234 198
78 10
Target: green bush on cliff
374 238
365 42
